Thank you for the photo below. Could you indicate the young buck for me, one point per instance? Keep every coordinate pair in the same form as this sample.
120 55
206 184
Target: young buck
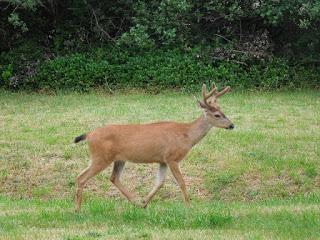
166 143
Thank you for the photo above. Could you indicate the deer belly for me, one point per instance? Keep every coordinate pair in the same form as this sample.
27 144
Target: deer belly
141 153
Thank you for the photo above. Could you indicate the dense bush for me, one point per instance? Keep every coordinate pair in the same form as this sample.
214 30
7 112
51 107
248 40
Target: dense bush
20 63
292 25
177 43
159 69
74 72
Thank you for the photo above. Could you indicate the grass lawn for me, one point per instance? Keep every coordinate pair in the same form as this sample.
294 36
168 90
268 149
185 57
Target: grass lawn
297 218
273 153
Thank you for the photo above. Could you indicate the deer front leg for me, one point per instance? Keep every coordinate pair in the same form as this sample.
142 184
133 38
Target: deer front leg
175 169
115 179
159 183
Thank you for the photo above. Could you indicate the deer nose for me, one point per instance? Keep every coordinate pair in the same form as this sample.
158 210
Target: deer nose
231 126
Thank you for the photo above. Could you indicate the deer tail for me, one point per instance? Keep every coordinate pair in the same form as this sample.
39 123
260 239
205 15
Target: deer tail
80 138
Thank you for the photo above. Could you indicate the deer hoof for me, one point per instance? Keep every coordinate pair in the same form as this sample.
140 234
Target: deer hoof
141 204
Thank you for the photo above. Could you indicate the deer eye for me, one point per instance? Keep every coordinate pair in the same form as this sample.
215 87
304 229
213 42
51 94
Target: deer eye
217 115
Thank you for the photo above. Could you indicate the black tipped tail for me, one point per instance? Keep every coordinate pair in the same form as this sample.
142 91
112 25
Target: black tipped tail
80 138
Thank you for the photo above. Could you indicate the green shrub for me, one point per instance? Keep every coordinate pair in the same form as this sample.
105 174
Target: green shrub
269 75
5 74
304 77
159 69
72 72
19 63
163 70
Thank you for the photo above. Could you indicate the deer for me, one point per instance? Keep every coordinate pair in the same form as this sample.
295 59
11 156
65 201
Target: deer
165 143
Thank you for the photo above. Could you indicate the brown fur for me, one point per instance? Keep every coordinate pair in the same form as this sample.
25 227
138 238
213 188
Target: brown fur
166 143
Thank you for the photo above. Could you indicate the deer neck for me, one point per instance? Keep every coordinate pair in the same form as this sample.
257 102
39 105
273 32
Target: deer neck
198 129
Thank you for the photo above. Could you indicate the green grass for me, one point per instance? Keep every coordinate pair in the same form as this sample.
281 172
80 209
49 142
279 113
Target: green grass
297 218
273 153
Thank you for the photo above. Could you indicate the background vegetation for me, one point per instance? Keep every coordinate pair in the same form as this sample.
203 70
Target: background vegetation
80 45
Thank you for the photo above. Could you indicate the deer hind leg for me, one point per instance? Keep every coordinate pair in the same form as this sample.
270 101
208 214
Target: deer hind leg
94 168
115 179
175 169
161 176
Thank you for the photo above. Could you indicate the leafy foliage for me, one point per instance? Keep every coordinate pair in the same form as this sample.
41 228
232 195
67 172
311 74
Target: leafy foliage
111 69
165 23
238 42
161 70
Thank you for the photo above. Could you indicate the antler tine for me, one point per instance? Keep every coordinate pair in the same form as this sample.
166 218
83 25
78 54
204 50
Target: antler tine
204 90
214 89
212 92
219 94
205 95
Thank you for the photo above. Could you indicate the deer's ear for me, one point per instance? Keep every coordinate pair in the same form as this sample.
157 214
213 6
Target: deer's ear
201 105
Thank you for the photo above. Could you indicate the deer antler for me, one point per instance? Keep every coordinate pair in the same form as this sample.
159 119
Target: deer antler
205 95
225 90
214 92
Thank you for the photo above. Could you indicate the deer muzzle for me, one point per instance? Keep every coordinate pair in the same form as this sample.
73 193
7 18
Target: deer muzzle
230 127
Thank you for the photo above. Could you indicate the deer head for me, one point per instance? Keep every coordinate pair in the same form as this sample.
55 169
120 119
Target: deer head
211 108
